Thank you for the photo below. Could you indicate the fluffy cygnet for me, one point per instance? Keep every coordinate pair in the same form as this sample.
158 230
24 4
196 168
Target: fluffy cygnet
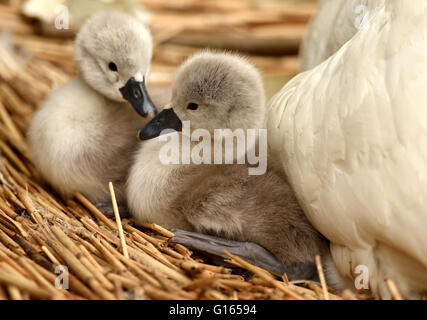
215 91
83 135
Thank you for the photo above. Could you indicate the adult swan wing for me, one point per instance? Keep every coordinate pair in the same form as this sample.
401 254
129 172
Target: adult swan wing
352 137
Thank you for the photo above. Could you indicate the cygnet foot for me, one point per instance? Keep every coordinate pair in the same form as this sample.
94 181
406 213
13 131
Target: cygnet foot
249 251
107 209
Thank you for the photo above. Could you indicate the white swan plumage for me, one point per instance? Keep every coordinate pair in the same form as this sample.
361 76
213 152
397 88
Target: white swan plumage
351 133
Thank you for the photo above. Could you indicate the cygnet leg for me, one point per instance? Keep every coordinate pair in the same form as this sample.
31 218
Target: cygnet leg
107 209
249 251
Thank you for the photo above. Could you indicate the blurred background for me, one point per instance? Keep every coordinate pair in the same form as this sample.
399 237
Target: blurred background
36 55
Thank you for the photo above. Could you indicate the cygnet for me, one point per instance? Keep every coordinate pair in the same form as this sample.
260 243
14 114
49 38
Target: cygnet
83 135
216 207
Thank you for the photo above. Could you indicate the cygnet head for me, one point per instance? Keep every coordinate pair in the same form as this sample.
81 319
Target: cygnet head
113 51
212 91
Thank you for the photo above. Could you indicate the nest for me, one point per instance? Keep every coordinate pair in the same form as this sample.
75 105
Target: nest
106 259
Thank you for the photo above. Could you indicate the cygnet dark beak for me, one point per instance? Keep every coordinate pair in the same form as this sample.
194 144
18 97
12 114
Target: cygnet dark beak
136 93
166 120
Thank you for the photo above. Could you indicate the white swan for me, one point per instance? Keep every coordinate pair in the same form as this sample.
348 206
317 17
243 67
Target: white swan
352 137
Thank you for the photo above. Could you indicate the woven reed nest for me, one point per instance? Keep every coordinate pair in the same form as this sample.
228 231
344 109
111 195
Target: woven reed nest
40 231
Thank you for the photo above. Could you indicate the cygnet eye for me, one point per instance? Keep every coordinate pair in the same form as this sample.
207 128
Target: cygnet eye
192 106
112 66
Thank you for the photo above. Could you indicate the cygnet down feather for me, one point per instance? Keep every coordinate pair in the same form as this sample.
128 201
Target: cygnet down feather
249 212
83 135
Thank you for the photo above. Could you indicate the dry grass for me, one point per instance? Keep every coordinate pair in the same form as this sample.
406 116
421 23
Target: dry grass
39 231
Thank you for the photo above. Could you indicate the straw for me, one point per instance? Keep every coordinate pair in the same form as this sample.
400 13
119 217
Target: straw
322 277
393 289
118 220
